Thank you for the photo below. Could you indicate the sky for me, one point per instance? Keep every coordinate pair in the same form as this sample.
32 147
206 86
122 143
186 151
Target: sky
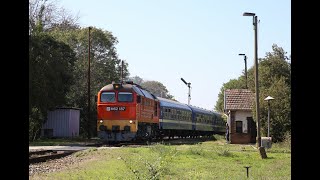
197 40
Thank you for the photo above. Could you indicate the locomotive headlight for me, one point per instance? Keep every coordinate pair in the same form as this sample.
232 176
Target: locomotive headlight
117 86
130 121
101 121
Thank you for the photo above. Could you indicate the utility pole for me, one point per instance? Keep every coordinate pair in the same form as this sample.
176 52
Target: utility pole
122 71
255 27
88 125
256 63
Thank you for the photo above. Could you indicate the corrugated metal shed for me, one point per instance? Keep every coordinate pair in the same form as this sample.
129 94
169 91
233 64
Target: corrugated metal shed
62 122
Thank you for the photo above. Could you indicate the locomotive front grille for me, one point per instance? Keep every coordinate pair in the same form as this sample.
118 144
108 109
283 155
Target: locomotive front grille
126 128
116 128
103 128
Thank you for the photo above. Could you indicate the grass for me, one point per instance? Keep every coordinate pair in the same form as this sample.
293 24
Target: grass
205 160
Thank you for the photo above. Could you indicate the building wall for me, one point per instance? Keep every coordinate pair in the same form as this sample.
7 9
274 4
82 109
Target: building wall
62 122
74 122
244 137
242 116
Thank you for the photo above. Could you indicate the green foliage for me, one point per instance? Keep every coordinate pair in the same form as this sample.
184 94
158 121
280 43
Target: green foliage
284 146
35 119
50 75
223 151
152 166
85 152
197 151
136 79
59 63
157 88
280 110
232 84
105 67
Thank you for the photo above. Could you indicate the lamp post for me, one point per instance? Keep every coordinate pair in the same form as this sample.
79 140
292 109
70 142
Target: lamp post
89 83
189 95
255 27
268 99
245 68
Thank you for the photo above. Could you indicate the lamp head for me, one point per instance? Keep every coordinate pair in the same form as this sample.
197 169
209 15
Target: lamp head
248 14
268 98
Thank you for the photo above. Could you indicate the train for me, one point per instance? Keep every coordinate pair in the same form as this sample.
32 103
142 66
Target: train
127 112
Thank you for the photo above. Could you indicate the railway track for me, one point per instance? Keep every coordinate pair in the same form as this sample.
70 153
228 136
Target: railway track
44 155
175 141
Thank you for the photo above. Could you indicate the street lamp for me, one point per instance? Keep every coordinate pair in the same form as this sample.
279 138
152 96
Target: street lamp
245 68
189 95
268 99
255 27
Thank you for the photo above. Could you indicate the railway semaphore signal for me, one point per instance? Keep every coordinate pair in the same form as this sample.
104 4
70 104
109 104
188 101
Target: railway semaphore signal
189 95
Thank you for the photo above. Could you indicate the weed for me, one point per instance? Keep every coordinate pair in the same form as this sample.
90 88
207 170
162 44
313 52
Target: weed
223 151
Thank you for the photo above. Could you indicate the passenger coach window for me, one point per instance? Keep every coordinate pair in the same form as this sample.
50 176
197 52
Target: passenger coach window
125 97
108 97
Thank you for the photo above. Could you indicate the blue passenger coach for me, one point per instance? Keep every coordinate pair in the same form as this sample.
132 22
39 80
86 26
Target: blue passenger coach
175 118
178 119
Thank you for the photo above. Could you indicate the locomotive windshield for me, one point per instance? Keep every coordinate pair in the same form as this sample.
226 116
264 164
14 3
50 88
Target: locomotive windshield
125 97
108 97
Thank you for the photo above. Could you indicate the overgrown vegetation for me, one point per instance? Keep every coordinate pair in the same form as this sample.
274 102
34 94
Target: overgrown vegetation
206 160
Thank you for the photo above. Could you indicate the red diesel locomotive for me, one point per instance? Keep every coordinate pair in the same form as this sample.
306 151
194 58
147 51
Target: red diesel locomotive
126 112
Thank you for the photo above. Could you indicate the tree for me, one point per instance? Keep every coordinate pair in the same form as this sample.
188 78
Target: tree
157 88
46 18
280 109
45 15
232 84
105 67
136 79
275 81
50 75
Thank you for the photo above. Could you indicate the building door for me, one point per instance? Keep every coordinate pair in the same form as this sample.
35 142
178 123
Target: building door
252 129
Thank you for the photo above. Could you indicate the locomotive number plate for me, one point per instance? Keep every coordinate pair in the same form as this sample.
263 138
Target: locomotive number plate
116 108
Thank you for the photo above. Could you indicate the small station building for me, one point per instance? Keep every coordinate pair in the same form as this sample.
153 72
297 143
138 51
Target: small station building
238 104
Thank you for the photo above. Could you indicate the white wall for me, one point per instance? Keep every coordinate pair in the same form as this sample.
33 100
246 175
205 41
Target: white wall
242 116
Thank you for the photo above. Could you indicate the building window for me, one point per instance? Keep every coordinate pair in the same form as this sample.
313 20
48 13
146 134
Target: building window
238 126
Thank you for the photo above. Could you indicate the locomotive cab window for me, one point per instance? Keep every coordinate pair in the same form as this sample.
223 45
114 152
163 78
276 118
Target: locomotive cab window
125 97
108 97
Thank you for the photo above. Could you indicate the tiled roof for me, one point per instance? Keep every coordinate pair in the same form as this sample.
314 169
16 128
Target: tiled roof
238 99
